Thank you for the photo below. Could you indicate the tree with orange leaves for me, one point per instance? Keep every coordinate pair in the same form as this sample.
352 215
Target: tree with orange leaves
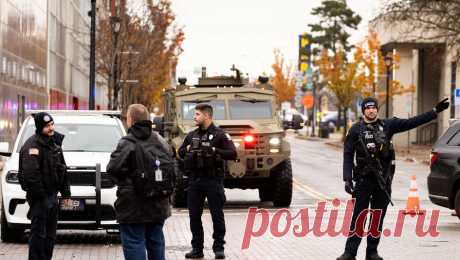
283 81
147 50
373 61
349 80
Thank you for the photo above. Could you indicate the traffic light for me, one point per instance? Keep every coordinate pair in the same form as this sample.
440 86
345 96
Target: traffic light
304 52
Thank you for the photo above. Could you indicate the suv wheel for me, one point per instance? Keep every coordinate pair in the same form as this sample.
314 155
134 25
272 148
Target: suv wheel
7 234
179 197
282 182
457 203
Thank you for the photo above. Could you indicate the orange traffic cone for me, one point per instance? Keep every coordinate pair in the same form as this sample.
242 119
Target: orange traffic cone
413 200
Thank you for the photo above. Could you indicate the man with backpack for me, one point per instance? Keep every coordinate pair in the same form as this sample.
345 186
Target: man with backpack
143 166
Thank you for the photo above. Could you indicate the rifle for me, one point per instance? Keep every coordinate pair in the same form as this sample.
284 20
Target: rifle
376 171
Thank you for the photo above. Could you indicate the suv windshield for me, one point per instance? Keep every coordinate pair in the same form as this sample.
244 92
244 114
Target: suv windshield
250 109
82 137
218 106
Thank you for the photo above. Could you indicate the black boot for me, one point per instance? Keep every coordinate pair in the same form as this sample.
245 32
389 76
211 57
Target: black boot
219 254
374 257
346 256
195 253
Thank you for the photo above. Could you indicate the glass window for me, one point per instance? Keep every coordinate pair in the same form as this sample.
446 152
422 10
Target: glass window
4 65
218 106
83 137
454 140
251 109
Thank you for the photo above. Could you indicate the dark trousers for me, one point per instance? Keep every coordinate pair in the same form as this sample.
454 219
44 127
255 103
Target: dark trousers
139 238
199 189
366 191
44 215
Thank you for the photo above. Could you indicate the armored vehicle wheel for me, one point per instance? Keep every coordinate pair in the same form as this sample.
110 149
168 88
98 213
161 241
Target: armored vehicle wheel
282 182
266 193
179 197
8 234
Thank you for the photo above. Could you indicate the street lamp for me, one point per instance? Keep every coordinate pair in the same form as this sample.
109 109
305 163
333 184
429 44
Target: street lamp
115 23
389 65
92 57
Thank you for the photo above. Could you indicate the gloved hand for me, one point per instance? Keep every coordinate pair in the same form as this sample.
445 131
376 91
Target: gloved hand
349 187
441 106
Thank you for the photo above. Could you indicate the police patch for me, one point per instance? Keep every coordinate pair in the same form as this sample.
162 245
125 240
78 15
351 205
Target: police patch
33 151
46 118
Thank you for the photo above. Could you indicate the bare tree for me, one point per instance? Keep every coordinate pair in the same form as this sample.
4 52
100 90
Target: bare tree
435 20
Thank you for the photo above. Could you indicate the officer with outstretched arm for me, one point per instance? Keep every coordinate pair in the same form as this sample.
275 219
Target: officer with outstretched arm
369 181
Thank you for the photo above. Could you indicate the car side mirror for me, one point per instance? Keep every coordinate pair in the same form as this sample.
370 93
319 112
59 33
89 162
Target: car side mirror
297 122
5 149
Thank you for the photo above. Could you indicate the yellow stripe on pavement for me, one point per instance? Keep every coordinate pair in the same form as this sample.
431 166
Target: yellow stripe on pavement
310 191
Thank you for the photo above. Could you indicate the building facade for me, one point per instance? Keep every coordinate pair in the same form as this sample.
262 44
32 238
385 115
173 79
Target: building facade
44 59
428 65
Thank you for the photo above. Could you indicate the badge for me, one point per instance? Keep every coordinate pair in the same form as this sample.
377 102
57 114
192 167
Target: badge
46 119
33 151
211 137
157 163
158 175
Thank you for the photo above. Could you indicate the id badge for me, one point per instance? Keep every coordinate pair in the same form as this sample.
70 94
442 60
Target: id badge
158 175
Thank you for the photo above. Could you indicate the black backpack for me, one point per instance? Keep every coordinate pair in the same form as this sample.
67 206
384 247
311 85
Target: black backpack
155 172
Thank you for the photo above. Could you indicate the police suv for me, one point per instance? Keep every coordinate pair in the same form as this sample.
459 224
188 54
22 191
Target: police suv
90 137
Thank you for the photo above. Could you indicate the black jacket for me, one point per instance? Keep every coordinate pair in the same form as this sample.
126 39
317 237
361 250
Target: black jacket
42 167
392 126
220 141
129 207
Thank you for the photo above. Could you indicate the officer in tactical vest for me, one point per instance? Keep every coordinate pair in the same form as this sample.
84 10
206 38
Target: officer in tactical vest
204 151
370 180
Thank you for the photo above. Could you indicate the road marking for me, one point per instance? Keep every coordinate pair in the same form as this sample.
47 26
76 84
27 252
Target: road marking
310 191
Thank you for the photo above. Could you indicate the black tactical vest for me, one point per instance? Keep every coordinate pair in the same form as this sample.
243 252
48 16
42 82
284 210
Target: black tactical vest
377 141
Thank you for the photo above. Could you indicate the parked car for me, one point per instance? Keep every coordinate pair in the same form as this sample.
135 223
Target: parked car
444 177
289 116
330 118
90 137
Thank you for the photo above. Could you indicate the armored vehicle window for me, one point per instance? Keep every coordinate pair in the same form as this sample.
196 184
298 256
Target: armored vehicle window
218 106
250 109
83 137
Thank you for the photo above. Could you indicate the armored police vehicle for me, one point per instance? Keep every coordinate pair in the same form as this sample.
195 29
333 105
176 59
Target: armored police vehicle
247 112
90 138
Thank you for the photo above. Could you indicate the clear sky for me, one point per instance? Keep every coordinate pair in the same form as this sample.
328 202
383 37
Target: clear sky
220 33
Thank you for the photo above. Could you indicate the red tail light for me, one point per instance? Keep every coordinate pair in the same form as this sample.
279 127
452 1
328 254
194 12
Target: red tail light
433 158
249 141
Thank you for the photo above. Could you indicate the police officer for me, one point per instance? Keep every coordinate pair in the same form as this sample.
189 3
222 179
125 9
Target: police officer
203 151
375 136
42 174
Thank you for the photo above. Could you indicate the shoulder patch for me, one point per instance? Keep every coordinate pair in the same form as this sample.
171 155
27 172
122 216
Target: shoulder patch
34 151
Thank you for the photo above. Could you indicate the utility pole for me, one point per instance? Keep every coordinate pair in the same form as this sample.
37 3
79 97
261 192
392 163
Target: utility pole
92 57
315 79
